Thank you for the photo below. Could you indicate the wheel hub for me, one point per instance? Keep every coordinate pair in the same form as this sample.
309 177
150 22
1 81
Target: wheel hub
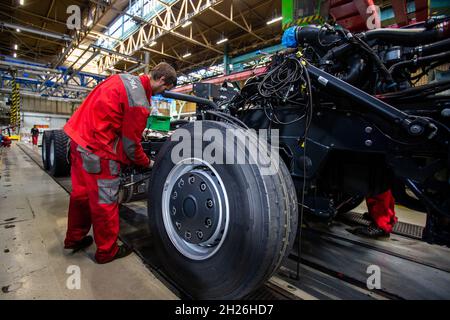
195 209
194 214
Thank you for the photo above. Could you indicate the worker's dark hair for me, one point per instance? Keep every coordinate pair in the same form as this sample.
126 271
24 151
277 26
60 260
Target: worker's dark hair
165 70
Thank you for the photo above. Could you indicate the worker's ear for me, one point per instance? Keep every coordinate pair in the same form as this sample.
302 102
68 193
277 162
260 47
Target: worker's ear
162 80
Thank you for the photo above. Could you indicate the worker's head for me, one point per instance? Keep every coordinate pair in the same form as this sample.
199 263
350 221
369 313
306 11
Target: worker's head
162 77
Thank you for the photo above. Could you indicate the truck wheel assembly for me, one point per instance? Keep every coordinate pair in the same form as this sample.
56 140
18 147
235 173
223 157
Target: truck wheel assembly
45 148
58 165
220 230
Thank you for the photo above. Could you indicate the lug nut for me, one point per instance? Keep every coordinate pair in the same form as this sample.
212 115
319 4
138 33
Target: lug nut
174 210
174 195
178 225
208 222
187 235
191 180
209 203
416 129
203 186
181 183
200 235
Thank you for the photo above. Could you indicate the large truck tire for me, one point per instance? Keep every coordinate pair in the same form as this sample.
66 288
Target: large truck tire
220 230
58 154
45 149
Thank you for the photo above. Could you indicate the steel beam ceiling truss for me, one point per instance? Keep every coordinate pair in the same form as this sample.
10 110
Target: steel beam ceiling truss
163 22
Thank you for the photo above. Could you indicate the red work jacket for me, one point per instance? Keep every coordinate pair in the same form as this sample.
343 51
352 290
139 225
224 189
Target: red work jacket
111 119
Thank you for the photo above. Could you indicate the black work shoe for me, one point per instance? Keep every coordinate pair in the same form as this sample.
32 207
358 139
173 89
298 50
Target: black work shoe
372 231
367 216
123 251
80 245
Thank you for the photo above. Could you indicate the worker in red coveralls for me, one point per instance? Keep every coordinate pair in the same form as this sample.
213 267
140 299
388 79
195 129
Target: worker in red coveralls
35 135
106 133
5 141
382 213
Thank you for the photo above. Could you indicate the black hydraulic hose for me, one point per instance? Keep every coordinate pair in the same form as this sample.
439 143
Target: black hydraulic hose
432 48
337 52
419 61
228 118
312 35
188 98
405 37
355 71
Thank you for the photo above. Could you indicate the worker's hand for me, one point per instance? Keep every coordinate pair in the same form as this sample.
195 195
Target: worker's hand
151 163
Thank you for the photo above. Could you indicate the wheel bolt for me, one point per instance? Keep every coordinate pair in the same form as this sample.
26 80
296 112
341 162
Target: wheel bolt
200 235
174 210
187 235
191 180
181 183
203 186
208 222
174 195
209 203
178 225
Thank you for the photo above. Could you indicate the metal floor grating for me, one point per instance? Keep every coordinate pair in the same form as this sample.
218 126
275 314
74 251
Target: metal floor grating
400 228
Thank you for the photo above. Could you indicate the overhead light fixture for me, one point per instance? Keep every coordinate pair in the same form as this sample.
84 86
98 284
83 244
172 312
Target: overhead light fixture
275 20
21 2
18 30
222 41
15 55
16 47
152 44
186 55
187 23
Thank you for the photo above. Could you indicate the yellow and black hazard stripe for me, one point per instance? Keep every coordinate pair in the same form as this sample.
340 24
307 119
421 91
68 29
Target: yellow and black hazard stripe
15 103
314 19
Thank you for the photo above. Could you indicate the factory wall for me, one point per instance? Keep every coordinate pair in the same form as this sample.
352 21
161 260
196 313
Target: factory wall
38 104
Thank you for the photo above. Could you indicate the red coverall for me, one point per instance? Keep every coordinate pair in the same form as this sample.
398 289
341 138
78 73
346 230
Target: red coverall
105 132
381 209
6 142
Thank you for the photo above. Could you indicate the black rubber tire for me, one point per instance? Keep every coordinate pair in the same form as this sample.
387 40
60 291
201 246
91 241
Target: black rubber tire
60 166
45 148
263 220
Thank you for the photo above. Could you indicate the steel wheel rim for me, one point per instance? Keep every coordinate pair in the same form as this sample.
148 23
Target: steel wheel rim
52 153
44 153
209 247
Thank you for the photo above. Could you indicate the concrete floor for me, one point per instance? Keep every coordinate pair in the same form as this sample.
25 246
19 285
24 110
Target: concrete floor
33 263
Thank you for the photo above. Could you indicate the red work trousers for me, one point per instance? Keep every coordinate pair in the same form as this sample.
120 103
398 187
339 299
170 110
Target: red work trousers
94 200
381 209
35 140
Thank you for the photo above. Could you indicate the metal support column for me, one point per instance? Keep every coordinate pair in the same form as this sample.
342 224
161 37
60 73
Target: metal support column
147 62
226 60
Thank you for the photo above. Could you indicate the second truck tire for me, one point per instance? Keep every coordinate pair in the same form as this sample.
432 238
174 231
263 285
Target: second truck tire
45 148
58 165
